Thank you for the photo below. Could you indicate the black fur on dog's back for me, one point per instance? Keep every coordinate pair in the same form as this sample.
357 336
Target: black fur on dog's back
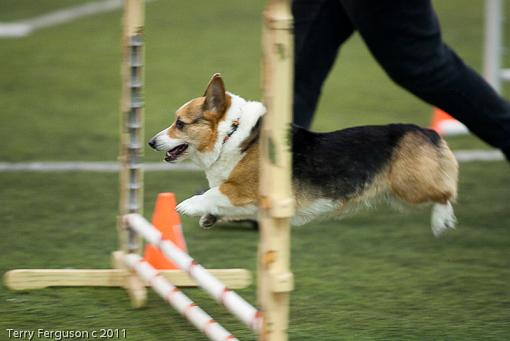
340 164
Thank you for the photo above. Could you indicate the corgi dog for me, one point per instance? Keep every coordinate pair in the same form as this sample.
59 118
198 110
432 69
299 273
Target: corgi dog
331 172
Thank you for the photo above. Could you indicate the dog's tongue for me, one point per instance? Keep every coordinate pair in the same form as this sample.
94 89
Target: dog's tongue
172 154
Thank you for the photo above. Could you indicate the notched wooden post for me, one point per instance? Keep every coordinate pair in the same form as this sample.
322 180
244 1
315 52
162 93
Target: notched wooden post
131 137
275 280
131 121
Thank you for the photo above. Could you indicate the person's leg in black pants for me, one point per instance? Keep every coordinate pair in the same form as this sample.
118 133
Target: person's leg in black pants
320 27
404 36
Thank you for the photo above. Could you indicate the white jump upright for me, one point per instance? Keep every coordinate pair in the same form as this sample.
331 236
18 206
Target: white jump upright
244 311
494 44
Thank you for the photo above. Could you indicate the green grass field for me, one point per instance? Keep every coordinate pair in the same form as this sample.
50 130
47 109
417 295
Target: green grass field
377 275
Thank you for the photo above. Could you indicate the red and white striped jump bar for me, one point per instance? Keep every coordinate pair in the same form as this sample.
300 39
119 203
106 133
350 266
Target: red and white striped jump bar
244 311
199 318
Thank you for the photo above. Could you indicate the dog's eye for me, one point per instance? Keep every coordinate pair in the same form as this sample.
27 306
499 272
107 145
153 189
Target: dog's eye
179 124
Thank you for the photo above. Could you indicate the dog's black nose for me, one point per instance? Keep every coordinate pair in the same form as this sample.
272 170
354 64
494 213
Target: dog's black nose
152 143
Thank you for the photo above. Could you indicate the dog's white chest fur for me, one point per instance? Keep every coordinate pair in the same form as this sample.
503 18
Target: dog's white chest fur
225 155
222 168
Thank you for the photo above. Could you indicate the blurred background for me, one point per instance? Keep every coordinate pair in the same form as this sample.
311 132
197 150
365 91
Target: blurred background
377 275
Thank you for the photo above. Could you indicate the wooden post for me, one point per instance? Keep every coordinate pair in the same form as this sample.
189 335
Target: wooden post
131 122
131 137
275 281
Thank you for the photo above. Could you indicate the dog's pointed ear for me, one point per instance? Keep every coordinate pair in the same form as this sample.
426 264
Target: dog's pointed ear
215 97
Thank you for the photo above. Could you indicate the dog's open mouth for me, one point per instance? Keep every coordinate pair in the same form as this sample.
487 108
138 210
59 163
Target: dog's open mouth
174 153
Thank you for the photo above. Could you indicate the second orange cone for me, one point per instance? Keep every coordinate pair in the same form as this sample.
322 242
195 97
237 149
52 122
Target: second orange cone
445 125
167 220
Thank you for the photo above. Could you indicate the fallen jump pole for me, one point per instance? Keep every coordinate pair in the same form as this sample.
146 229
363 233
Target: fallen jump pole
244 311
184 305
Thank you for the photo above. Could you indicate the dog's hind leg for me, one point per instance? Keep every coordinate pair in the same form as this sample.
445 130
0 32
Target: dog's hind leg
422 172
443 217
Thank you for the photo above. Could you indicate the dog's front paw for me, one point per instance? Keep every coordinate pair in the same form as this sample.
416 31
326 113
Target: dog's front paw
194 206
207 221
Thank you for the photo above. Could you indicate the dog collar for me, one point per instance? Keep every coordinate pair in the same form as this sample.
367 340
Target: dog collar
233 128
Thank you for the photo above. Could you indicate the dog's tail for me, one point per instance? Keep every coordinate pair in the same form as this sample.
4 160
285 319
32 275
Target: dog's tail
443 218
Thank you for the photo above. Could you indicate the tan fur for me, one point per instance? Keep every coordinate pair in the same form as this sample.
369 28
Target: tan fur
379 185
421 173
242 185
303 194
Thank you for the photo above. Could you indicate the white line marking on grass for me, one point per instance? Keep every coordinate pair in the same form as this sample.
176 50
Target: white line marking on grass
94 166
23 28
99 166
478 155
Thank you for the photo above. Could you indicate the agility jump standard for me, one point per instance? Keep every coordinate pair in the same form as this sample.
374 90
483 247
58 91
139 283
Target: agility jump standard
275 281
131 189
276 204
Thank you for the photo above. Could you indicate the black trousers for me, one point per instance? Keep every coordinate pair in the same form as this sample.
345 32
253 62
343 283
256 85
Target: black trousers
405 38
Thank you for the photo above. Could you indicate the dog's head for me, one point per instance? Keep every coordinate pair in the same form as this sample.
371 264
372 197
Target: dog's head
195 126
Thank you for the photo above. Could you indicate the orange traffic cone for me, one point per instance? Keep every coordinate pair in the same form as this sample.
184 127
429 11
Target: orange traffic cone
445 125
167 220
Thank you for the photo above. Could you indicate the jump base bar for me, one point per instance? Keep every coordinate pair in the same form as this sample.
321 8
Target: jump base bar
30 279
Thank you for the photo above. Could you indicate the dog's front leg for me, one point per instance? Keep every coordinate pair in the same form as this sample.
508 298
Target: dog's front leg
215 203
